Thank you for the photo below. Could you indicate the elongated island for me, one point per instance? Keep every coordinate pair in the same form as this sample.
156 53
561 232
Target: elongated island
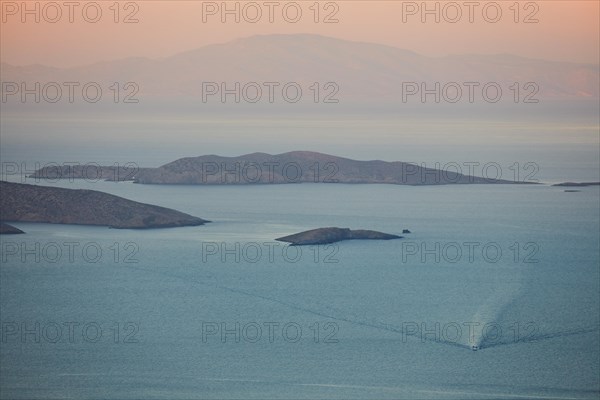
263 168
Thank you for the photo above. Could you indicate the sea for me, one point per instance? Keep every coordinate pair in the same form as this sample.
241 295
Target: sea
494 293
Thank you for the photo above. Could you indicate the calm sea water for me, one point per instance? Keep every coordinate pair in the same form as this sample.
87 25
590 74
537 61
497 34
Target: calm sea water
223 311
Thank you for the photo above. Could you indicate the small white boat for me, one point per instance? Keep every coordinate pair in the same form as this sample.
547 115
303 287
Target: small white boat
474 347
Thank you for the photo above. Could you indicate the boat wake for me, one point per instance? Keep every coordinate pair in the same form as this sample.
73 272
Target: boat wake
483 317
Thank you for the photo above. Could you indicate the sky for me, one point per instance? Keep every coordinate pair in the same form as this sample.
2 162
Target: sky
87 32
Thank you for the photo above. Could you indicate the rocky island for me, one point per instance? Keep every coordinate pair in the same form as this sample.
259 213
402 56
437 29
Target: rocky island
263 168
33 203
6 229
332 235
577 184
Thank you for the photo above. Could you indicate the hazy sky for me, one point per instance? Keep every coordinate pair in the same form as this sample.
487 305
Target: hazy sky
565 30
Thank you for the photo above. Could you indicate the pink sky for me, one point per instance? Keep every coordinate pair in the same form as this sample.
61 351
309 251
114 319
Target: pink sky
566 31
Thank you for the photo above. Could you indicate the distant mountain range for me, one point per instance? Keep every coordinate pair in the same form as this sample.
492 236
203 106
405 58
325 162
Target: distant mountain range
362 71
263 168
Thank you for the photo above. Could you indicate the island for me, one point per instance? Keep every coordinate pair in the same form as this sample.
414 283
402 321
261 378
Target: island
33 203
263 168
577 184
6 229
332 235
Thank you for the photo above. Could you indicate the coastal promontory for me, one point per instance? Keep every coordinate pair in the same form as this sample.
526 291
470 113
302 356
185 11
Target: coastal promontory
6 229
33 203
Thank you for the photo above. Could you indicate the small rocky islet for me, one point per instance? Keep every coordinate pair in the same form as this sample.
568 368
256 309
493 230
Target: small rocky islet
332 235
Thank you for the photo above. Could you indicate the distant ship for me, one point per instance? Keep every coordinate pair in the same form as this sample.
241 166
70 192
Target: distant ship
474 347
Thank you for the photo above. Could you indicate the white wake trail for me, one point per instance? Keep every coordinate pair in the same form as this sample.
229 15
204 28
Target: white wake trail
486 322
